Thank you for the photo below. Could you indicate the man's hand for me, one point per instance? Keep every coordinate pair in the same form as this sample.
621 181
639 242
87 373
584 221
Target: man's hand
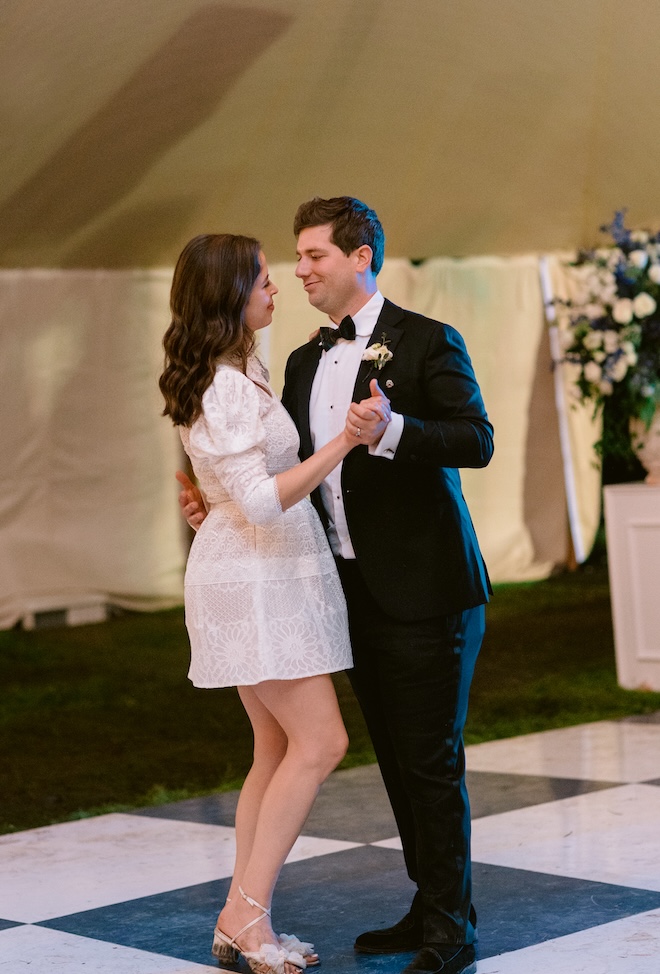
191 501
367 420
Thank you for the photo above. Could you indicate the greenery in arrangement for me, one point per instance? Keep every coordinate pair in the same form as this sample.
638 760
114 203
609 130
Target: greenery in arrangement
102 718
613 331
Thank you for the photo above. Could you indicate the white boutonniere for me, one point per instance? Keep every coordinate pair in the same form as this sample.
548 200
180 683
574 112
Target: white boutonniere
378 354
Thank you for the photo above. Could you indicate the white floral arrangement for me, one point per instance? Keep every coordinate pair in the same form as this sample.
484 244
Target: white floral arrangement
378 353
613 326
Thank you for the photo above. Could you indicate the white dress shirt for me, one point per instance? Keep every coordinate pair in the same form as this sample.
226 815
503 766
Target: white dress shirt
330 399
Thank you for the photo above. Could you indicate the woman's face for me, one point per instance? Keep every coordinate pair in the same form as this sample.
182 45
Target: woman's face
260 307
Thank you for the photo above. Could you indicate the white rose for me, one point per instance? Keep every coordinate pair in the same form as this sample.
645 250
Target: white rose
638 258
605 387
654 273
644 305
371 354
594 311
622 311
593 340
618 370
592 372
608 294
639 236
599 356
610 340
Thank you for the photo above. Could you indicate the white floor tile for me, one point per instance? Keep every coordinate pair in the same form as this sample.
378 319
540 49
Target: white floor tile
622 947
609 836
65 953
62 869
393 843
602 751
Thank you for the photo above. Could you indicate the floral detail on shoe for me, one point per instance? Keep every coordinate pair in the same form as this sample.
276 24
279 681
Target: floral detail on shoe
289 942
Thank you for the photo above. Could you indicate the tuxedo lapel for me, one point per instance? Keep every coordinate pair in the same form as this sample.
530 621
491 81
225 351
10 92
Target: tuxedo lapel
308 367
385 331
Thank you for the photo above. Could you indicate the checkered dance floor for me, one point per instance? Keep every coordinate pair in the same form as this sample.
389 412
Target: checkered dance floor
566 848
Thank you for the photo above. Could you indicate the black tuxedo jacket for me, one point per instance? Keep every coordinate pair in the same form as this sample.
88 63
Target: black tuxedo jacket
408 521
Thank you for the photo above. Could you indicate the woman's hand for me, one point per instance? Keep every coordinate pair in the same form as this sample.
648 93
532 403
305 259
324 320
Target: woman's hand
191 501
367 420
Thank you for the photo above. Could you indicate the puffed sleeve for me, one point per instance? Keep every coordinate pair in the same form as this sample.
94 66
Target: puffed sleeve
230 436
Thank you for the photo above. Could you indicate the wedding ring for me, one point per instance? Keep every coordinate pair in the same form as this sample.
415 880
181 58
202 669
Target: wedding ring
358 431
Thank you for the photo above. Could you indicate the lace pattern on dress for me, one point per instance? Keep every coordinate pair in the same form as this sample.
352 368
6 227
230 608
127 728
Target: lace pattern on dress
263 599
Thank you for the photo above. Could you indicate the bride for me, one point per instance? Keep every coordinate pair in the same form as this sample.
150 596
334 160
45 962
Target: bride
264 607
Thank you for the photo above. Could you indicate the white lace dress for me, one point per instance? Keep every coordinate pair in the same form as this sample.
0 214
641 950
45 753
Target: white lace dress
262 595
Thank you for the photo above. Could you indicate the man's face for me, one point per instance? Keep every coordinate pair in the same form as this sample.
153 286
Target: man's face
331 278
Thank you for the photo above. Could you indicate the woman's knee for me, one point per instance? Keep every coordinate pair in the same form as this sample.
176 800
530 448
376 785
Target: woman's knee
324 752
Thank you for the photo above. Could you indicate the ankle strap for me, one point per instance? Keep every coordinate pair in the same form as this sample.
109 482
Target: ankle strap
264 913
252 902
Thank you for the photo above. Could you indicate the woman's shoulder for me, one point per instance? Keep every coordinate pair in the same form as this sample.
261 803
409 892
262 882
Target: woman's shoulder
229 376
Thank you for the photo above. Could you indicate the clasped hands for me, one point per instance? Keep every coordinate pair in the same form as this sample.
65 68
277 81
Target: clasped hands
367 420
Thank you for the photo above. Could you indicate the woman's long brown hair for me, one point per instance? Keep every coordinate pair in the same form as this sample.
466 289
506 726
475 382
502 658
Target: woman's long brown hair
212 282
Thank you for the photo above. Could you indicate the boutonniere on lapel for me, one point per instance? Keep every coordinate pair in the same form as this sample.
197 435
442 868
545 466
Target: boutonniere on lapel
378 354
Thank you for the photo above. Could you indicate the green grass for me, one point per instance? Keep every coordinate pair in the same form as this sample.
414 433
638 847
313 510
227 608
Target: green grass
102 718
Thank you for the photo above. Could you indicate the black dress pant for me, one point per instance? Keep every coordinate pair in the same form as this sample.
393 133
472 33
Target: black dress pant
412 680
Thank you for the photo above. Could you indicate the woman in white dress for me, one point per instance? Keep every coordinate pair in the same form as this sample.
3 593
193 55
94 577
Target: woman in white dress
264 607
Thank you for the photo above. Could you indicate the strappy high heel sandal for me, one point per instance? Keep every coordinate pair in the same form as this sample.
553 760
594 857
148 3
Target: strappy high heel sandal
269 959
230 955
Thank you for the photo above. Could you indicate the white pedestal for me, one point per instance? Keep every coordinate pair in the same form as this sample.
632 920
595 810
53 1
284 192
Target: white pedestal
632 520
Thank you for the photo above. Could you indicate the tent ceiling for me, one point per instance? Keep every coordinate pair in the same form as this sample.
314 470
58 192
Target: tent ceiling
472 127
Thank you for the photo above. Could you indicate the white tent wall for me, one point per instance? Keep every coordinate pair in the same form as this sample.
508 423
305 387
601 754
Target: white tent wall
88 500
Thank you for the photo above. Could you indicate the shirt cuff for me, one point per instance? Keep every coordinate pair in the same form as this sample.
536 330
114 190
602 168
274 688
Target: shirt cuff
389 441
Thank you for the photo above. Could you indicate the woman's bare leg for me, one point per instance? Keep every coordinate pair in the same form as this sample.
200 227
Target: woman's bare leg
269 749
308 714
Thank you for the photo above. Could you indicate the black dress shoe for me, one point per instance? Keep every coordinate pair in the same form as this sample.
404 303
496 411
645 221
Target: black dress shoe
405 935
441 959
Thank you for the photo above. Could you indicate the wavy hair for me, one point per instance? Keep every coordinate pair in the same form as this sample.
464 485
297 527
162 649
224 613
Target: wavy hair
212 282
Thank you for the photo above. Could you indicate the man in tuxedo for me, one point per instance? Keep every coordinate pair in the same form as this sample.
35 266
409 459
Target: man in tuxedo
415 582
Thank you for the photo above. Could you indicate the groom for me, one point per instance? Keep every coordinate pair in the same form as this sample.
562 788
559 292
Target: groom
407 554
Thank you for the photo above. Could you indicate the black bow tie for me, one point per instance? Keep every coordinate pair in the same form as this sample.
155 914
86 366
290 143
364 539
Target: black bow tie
330 336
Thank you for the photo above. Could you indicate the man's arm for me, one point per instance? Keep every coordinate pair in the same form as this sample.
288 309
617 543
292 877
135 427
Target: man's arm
457 432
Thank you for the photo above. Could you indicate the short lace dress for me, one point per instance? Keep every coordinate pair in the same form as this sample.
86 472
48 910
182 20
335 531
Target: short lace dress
262 595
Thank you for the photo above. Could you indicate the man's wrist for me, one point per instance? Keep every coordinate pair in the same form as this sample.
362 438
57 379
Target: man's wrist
389 441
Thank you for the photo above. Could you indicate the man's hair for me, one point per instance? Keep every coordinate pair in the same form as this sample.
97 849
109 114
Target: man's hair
353 225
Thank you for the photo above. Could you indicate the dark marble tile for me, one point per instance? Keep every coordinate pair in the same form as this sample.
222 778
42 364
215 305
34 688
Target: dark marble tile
331 899
492 793
352 805
217 809
517 908
328 900
6 924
